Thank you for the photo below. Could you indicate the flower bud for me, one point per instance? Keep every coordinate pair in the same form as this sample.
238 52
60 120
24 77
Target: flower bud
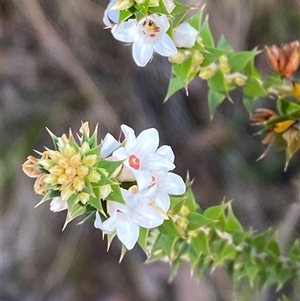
284 60
296 90
123 4
90 160
208 72
197 58
177 58
281 127
185 35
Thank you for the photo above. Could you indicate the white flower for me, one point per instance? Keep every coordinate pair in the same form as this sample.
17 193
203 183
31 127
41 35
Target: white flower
141 156
185 35
111 16
126 219
58 204
108 145
148 36
166 183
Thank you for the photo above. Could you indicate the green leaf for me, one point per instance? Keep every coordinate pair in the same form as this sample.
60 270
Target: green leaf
206 35
248 103
116 194
238 60
211 55
288 108
196 20
109 166
169 227
232 223
190 200
179 12
224 45
259 241
175 84
217 83
214 100
143 238
182 70
272 80
200 243
216 212
254 88
126 14
250 69
197 220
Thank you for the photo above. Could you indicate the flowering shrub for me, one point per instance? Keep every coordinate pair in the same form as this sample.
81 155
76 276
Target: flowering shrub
127 188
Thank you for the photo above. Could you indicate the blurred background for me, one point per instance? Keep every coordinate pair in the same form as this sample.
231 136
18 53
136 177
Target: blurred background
60 67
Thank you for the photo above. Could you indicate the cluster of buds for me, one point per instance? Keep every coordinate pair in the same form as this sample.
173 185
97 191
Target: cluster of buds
124 185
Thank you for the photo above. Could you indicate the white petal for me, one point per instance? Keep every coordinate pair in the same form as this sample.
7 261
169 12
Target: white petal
109 144
147 142
143 178
58 204
146 216
130 139
126 174
126 31
147 195
120 154
110 224
113 207
166 150
98 221
175 185
130 198
164 45
110 15
142 52
157 162
127 231
185 35
161 21
163 200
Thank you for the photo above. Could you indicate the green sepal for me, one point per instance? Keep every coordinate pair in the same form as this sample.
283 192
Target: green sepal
254 88
238 60
175 84
291 109
50 194
116 194
211 54
214 100
206 35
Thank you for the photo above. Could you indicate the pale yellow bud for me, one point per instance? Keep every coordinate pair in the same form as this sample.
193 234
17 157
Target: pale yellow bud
82 170
78 183
63 162
177 58
207 72
46 164
62 180
83 197
197 58
70 171
56 170
223 59
122 4
224 67
94 177
75 160
154 3
184 211
50 179
69 151
182 223
66 193
90 160
54 155
240 81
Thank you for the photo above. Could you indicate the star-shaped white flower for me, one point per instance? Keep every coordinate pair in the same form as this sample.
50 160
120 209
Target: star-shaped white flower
148 35
141 156
126 219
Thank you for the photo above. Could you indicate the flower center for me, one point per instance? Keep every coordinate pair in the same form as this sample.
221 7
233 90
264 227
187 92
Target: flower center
150 29
134 162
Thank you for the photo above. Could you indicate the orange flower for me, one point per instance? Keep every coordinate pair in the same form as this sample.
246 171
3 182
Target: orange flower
284 60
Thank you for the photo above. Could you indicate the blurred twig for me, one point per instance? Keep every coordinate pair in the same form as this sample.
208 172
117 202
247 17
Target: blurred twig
53 42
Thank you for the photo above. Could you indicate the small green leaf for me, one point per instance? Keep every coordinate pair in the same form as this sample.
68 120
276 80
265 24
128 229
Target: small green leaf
175 84
214 100
143 238
211 54
169 227
224 45
232 223
288 108
238 60
206 35
217 83
200 243
196 20
254 88
197 220
116 194
179 12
